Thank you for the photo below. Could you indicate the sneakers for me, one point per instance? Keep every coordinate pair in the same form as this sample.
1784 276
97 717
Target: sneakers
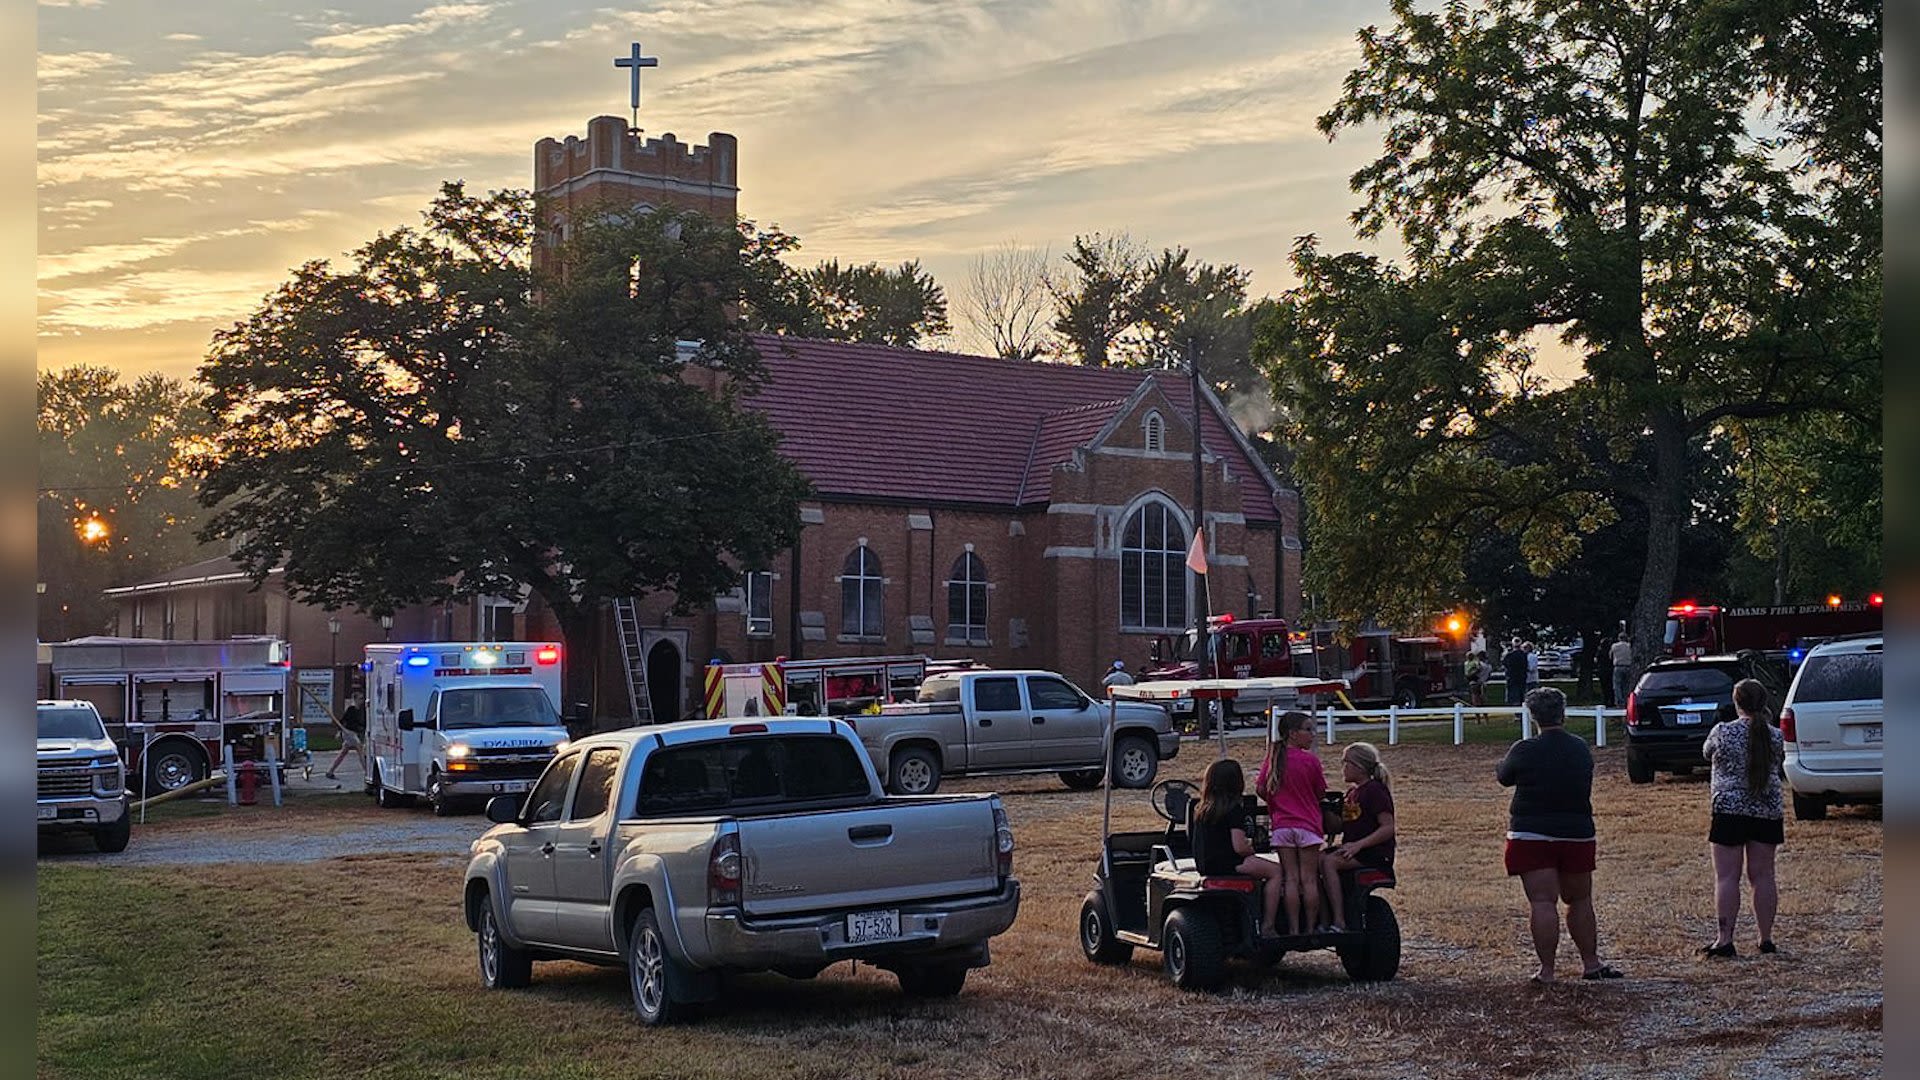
1718 951
330 776
1768 947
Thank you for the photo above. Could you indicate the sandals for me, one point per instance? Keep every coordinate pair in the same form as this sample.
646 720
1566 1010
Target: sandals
1718 951
1604 971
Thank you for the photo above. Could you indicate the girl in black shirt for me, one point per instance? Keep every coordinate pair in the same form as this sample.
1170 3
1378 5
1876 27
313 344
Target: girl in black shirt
1220 842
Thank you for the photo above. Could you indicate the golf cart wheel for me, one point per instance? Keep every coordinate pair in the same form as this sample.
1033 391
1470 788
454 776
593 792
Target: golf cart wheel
1135 763
1096 933
1639 769
1378 960
1195 957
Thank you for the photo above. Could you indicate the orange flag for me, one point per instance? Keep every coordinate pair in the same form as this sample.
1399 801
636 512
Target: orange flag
1197 555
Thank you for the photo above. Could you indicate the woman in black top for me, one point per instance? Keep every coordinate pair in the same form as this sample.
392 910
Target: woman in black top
1220 842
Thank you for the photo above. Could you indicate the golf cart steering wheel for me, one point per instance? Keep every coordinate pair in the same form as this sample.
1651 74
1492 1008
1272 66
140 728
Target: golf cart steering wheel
1159 796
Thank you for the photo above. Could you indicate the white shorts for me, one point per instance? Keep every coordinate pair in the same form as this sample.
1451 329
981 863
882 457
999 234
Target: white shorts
349 740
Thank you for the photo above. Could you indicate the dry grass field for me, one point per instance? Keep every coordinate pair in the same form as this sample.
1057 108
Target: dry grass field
361 967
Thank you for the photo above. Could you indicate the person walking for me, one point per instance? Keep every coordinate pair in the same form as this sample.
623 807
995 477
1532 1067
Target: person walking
1476 677
352 725
1551 845
1620 656
1515 665
1745 752
1117 675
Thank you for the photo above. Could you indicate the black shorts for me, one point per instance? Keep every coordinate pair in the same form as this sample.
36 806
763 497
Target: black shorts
1739 830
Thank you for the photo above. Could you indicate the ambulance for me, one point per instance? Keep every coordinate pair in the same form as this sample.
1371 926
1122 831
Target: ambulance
457 723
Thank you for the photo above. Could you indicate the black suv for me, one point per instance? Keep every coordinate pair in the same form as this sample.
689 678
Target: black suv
1672 708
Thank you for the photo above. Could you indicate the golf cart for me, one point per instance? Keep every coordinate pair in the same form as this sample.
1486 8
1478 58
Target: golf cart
1147 893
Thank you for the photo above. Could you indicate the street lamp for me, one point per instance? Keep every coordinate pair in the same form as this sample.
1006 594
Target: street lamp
386 627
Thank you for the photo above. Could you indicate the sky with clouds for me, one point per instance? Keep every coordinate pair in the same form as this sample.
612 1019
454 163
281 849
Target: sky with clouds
192 152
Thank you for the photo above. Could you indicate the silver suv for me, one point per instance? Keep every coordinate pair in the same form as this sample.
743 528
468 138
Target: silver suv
1833 727
82 782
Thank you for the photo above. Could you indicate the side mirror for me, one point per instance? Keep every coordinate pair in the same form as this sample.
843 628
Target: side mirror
503 809
406 720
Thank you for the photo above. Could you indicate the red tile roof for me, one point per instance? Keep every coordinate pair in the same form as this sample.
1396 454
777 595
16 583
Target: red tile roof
873 421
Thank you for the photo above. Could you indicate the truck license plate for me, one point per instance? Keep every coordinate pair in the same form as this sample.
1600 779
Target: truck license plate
864 926
47 812
510 787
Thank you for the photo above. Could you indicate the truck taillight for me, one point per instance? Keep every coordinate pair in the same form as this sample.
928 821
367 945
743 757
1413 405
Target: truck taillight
1002 839
1633 710
724 866
1786 724
547 654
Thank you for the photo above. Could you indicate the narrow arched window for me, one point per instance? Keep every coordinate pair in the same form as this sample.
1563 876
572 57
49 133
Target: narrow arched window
1153 572
967 600
1155 437
861 593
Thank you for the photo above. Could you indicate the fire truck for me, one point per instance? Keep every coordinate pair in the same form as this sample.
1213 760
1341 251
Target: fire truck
1387 667
174 706
1234 649
1785 631
837 686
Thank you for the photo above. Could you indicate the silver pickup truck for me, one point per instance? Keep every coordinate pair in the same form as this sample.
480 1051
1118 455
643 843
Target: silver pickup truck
82 782
688 851
977 722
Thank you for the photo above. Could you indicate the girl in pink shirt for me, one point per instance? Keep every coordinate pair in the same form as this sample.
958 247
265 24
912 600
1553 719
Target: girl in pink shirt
1291 782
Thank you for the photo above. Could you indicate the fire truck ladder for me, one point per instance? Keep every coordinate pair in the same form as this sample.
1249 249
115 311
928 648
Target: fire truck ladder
626 616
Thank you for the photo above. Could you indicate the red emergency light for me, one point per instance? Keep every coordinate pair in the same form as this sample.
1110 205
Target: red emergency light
547 654
1876 599
1687 607
1833 600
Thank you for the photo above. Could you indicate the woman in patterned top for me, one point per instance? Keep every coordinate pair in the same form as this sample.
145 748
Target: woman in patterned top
1745 753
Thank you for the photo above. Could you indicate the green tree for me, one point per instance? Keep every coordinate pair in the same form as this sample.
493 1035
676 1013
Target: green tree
439 420
121 454
866 303
1588 179
1097 298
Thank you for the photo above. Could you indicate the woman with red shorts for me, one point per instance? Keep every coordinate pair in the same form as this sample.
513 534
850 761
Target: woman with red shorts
1550 834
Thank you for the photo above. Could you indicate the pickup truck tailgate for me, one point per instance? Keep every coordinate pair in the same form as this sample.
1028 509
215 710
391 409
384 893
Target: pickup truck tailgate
898 851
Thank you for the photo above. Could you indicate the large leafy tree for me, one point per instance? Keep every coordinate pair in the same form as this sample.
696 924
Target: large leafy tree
117 482
438 420
866 302
1595 187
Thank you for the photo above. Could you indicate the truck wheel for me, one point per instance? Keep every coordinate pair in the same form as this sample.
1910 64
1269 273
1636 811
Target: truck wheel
932 980
442 804
1082 779
113 838
502 967
172 764
1407 697
647 964
1096 933
1195 958
915 771
1808 807
1639 769
1378 960
1135 763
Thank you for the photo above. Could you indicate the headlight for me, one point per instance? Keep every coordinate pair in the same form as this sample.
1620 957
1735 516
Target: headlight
459 750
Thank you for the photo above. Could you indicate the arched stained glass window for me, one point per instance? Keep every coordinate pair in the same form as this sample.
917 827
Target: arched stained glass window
1153 571
967 600
862 611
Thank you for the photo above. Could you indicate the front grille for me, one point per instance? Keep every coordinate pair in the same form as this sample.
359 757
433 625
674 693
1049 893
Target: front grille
504 766
65 783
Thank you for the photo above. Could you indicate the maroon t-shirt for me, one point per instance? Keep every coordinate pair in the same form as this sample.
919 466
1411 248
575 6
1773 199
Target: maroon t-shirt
1361 814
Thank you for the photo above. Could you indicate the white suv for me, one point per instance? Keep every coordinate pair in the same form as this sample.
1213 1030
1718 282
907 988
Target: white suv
1833 727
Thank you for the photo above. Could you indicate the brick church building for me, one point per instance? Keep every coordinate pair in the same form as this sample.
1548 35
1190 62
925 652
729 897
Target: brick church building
1021 514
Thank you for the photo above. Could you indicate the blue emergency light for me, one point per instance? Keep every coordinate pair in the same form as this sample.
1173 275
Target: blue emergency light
419 661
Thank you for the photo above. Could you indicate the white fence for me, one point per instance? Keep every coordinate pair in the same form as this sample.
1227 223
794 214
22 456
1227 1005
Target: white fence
1329 719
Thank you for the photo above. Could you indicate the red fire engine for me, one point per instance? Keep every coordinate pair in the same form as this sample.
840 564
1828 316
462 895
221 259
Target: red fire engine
1387 667
1785 630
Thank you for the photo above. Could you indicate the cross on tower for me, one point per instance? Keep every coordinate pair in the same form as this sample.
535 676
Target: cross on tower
634 62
